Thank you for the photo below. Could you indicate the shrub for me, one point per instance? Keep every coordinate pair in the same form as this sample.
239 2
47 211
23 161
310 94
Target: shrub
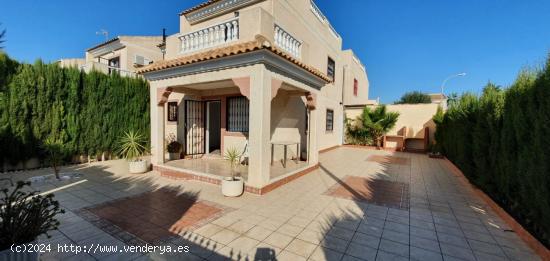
371 125
87 112
132 145
500 141
26 215
414 97
173 145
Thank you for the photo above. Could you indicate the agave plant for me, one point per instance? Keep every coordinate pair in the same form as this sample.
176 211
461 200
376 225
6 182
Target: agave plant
132 145
232 155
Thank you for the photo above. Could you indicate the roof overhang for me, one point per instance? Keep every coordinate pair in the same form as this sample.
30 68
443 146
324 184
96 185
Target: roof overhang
106 47
271 60
213 8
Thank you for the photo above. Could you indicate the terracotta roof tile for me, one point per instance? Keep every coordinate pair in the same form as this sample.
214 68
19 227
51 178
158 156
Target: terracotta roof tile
199 6
239 48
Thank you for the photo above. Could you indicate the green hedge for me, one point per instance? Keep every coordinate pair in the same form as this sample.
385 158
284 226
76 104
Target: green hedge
501 141
85 112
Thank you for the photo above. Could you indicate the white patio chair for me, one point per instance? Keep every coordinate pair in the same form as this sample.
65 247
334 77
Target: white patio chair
244 154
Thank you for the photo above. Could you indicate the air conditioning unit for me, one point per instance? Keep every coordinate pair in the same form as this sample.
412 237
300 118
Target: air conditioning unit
141 61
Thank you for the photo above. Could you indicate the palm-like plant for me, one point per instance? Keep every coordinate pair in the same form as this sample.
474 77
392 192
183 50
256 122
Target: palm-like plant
56 151
378 122
132 145
232 155
2 36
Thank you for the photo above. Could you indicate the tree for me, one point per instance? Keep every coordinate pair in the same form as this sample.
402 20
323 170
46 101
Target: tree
452 99
55 151
378 122
415 97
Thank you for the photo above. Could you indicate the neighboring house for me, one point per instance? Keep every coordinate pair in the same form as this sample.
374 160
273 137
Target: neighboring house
249 74
72 62
123 54
439 98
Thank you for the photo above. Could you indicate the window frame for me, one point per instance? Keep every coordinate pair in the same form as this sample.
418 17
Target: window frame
172 104
329 62
355 87
331 120
246 115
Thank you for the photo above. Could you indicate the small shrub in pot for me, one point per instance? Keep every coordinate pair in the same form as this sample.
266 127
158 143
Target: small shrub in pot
131 147
173 147
232 186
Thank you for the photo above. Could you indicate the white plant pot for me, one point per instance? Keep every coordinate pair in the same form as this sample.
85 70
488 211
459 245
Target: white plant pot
232 187
137 167
173 156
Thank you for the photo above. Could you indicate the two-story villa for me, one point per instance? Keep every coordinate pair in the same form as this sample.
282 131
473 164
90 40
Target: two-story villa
268 77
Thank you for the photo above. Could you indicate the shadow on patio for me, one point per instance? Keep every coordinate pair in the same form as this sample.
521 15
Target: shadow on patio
137 210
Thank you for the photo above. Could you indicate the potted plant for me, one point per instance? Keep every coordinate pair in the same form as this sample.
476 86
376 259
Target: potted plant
173 147
131 148
24 216
232 186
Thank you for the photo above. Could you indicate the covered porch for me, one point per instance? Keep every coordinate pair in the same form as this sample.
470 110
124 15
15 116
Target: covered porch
263 106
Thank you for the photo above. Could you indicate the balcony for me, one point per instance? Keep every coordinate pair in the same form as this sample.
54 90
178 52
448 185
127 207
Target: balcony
287 42
317 12
104 68
211 36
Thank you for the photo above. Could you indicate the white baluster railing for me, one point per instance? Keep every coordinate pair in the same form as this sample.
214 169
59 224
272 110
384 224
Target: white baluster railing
210 36
287 42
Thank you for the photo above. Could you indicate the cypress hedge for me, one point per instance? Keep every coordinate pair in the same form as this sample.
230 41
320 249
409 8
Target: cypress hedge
86 112
501 142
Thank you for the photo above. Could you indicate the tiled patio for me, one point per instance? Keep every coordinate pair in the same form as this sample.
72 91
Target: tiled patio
316 217
220 167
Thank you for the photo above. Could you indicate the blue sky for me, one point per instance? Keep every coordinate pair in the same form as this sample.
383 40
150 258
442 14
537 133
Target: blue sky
405 45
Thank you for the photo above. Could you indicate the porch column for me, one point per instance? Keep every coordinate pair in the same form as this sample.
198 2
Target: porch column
314 128
158 99
260 128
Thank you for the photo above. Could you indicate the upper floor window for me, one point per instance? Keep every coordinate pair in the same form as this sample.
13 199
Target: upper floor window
355 87
331 68
114 62
237 114
330 120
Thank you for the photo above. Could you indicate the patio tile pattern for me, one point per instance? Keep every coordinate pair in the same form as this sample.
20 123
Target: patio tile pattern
388 160
445 220
153 216
377 191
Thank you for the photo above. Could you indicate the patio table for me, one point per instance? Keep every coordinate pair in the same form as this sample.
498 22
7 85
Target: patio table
285 144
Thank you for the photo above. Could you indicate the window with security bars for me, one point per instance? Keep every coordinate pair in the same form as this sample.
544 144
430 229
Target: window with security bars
331 69
237 114
330 120
172 111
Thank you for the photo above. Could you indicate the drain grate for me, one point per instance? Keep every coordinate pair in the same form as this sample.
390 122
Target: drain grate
377 191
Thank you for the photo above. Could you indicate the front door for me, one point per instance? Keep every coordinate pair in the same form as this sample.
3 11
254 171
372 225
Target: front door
195 129
213 126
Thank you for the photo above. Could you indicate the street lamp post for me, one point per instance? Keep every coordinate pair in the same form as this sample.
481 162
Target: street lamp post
448 78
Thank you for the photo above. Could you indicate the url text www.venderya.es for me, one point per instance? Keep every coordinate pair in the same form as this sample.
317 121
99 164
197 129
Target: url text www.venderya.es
97 248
